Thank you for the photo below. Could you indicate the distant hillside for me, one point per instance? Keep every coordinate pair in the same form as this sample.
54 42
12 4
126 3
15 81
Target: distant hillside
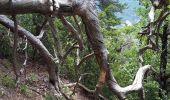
129 13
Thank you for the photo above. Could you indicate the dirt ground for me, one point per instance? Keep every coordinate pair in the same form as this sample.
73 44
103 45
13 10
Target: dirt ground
34 87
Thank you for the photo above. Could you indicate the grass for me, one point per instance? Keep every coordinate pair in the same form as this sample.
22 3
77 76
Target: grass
25 90
33 78
7 81
48 97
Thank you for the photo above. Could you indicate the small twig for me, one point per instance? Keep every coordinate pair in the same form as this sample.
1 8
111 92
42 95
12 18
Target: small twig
84 59
41 33
32 89
79 28
26 56
91 91
77 67
26 43
78 81
74 46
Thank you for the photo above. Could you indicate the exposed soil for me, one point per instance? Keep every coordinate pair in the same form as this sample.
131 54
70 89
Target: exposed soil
34 87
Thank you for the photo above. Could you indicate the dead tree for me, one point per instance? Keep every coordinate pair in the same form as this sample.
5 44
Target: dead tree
87 11
153 33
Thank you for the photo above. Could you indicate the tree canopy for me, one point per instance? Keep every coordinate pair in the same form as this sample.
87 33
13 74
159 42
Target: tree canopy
73 37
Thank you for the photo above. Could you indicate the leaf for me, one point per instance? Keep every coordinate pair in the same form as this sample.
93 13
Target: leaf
169 6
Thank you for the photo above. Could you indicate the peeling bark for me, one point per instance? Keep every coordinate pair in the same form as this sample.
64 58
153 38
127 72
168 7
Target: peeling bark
90 19
87 11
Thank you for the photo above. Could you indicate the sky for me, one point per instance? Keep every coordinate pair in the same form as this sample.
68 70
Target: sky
128 15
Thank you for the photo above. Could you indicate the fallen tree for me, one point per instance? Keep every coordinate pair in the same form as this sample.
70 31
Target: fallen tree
87 11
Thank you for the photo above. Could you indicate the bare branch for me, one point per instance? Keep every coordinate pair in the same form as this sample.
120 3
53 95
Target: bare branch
26 43
162 19
42 29
77 23
141 52
26 56
70 28
74 46
37 43
135 86
84 59
77 68
41 34
56 38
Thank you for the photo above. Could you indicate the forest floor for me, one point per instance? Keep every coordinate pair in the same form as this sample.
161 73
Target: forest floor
35 87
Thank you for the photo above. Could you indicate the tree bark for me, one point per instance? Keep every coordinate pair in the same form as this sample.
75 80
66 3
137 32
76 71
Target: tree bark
26 6
87 11
14 52
70 28
35 42
163 61
57 42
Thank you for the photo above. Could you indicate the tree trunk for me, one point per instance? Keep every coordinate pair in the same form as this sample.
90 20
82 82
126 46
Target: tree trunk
90 19
163 60
87 11
35 42
14 52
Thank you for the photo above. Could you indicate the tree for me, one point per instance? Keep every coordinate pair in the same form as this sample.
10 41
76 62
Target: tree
86 10
157 34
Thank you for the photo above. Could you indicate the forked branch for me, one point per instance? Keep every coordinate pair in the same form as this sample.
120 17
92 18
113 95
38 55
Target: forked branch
135 86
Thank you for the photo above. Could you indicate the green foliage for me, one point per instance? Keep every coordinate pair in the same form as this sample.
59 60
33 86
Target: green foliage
5 46
151 90
7 81
48 97
6 63
145 3
123 45
92 68
33 78
107 15
25 90
25 21
150 56
69 68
